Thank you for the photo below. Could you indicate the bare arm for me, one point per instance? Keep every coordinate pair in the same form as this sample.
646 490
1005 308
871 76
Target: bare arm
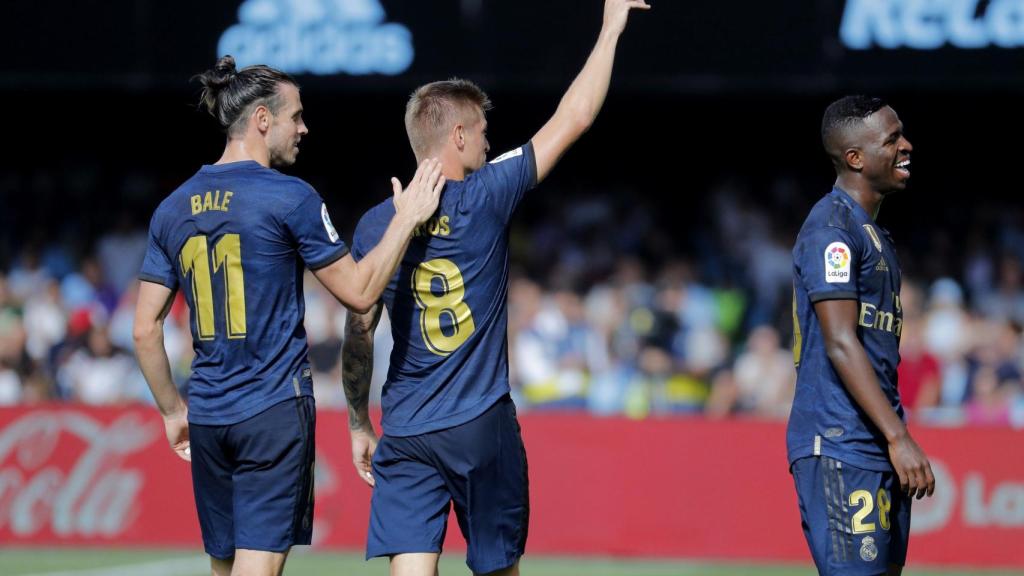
839 327
585 96
358 285
150 310
356 373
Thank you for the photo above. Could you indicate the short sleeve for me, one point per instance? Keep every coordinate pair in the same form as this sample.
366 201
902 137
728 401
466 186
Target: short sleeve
157 266
507 178
367 235
310 227
827 262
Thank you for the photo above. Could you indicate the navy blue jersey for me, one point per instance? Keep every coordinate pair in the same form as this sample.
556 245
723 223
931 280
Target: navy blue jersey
840 254
447 300
235 237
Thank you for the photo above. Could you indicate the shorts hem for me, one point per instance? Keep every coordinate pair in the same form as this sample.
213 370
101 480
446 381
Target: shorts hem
487 568
218 553
409 549
277 548
849 571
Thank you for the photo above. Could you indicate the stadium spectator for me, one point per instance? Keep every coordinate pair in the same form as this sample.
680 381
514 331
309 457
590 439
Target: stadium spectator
761 382
557 352
920 371
704 283
1006 300
99 373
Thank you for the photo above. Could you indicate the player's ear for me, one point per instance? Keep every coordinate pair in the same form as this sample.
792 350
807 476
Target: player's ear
854 159
262 116
459 136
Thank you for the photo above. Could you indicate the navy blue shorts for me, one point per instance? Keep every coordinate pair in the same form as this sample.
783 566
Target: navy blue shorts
857 522
253 481
480 466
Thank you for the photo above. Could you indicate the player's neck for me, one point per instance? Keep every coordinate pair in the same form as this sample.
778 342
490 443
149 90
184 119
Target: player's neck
870 200
451 166
241 149
454 172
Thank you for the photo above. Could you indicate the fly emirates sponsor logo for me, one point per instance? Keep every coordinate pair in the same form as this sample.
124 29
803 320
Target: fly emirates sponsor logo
871 316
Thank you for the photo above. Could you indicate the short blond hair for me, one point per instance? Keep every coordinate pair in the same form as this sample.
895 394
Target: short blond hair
434 108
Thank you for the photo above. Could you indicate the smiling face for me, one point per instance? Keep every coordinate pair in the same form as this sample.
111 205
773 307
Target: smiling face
884 151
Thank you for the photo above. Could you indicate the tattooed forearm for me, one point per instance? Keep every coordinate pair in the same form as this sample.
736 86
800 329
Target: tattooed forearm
357 365
357 361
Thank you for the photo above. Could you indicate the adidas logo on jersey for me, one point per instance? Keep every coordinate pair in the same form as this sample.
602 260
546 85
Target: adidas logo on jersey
318 37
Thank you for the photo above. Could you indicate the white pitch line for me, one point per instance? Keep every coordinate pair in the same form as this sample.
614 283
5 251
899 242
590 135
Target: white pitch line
170 567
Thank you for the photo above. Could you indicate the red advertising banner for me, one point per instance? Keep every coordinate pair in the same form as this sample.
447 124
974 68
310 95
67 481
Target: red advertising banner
78 476
681 487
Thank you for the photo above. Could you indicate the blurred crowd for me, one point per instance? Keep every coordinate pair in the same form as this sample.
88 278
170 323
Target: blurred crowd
610 311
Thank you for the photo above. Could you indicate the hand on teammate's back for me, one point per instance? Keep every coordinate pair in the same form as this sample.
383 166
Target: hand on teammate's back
419 199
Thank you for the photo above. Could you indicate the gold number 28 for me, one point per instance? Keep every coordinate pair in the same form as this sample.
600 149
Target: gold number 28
863 498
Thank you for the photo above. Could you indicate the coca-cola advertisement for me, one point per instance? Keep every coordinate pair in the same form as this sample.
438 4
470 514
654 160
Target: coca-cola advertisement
73 475
80 476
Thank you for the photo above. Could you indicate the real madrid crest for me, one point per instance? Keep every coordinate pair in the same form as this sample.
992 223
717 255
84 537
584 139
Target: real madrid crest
868 550
874 236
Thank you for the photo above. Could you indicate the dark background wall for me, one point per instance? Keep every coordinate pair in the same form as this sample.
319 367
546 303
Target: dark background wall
101 122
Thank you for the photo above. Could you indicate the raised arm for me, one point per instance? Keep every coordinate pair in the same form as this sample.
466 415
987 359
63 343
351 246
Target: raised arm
358 285
585 96
838 320
356 373
150 310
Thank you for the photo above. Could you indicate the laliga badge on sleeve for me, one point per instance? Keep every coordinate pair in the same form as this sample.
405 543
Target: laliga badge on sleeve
507 155
331 232
837 263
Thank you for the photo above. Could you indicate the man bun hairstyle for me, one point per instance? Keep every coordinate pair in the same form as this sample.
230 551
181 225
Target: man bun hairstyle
434 108
230 94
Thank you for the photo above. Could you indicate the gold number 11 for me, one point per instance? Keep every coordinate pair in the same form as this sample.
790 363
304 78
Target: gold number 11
227 257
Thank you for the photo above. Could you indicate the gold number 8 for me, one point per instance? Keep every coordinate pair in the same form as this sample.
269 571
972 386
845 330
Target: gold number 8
884 505
449 303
